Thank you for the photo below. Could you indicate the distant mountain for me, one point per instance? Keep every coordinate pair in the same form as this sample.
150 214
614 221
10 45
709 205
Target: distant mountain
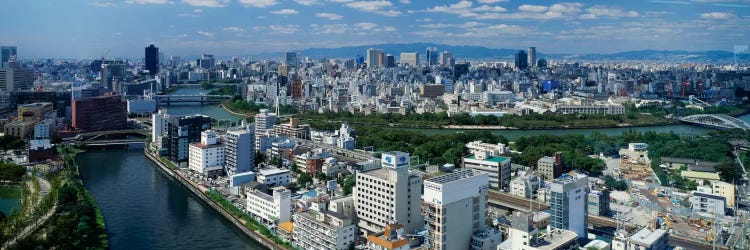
479 52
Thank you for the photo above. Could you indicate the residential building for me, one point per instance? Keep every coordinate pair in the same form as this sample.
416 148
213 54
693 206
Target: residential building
44 129
726 190
497 167
525 185
568 203
240 151
264 120
99 113
704 202
270 209
274 177
431 90
492 149
41 150
524 235
550 167
454 207
486 239
644 239
181 131
598 202
207 157
392 238
387 195
292 130
319 228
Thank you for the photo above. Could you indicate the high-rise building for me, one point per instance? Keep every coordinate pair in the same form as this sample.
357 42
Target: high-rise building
550 167
99 113
321 228
206 61
390 61
446 58
111 73
531 57
291 60
240 151
152 59
181 131
454 207
431 54
568 202
6 53
16 78
381 58
411 59
389 195
298 89
264 120
521 61
207 157
487 158
372 57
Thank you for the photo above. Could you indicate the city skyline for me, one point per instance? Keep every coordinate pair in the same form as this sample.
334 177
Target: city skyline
91 29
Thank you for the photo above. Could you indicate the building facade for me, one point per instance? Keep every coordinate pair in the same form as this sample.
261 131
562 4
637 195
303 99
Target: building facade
100 113
568 203
207 157
497 167
240 151
270 209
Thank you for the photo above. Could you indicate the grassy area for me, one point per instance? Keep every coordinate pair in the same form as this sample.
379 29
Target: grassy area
250 222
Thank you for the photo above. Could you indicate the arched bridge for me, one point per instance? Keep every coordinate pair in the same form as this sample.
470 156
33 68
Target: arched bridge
716 121
202 99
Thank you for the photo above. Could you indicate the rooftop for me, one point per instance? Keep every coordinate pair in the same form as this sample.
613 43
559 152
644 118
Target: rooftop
646 237
451 177
287 226
700 175
272 171
490 158
206 146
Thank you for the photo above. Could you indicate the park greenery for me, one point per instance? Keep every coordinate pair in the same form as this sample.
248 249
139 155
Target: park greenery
615 183
437 120
78 222
245 107
250 222
679 108
230 90
9 142
11 172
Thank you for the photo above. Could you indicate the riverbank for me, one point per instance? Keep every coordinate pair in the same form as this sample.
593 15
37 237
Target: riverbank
200 192
235 113
485 127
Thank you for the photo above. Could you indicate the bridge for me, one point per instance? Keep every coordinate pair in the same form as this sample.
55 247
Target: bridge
95 135
716 121
120 142
202 99
598 223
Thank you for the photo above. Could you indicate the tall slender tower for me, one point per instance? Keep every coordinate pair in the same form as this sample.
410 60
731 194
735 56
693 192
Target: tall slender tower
152 60
532 57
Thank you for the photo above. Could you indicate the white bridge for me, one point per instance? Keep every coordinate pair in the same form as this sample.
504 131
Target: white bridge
716 121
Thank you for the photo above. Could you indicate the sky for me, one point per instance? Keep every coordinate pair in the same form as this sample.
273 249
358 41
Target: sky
116 28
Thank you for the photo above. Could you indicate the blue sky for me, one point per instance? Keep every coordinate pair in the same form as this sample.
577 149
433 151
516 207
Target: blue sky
116 28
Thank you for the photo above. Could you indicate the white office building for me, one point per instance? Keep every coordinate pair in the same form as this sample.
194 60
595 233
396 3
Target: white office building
319 228
274 177
240 151
497 167
411 59
389 195
207 156
568 202
270 209
454 207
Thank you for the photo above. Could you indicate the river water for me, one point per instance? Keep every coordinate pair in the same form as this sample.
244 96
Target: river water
145 209
10 198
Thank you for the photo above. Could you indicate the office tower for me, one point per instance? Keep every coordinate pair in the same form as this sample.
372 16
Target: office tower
181 131
99 113
207 157
521 61
432 56
390 61
298 89
206 61
446 58
454 208
6 53
372 57
411 59
240 151
381 58
111 73
531 57
389 195
60 100
291 60
486 158
158 127
568 202
152 59
270 209
16 78
550 167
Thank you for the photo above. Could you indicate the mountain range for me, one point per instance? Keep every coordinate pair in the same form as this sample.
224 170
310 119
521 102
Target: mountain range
479 52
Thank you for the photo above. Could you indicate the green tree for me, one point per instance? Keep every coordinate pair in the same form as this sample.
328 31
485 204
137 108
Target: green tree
303 179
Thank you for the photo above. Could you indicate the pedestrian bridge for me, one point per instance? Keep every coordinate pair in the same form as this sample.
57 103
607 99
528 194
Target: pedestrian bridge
716 121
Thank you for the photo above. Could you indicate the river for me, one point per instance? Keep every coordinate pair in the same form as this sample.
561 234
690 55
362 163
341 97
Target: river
144 209
10 198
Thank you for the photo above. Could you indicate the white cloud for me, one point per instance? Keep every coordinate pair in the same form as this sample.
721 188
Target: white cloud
103 4
188 15
306 2
717 15
206 34
361 29
258 3
147 1
498 30
198 11
233 29
555 11
366 26
207 3
380 7
285 12
532 8
464 9
491 1
405 1
607 12
278 29
329 16
451 25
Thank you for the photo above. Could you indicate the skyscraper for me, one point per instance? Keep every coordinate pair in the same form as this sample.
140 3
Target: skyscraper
446 58
569 195
181 131
454 207
412 59
381 58
291 60
152 59
531 61
431 54
6 52
372 57
521 60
